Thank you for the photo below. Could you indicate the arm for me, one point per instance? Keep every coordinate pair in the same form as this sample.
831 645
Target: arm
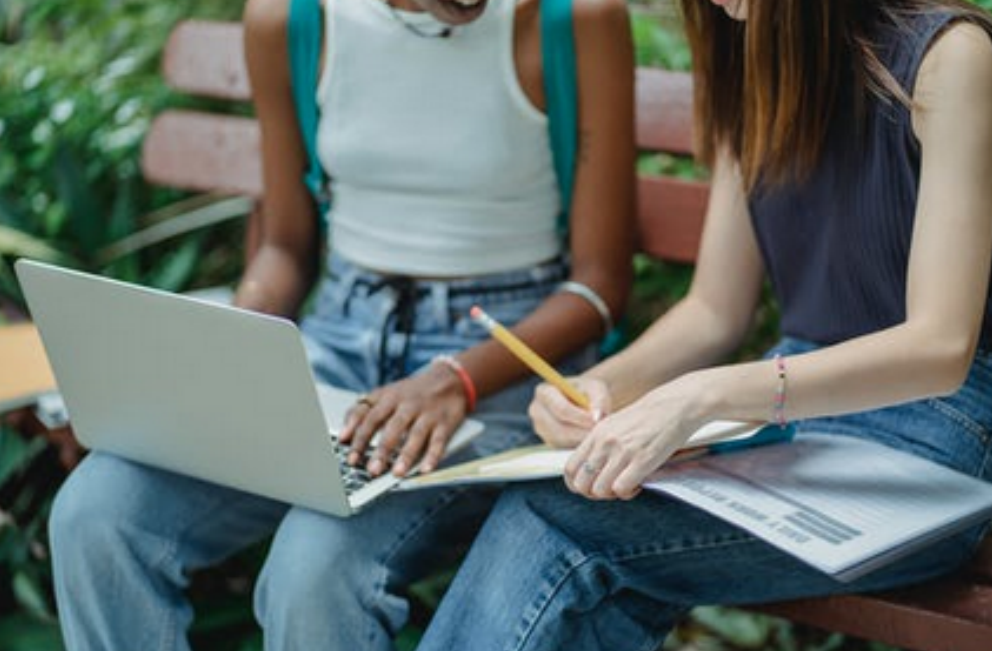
284 265
928 354
701 329
428 407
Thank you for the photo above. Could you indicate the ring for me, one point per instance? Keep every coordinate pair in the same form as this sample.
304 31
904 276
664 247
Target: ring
589 468
365 400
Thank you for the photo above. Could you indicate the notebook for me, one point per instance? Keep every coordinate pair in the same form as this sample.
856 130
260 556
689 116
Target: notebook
207 390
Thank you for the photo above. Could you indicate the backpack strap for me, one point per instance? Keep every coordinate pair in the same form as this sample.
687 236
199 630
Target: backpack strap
561 95
305 36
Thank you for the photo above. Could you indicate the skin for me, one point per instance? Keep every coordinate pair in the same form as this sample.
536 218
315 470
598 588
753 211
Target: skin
653 408
417 416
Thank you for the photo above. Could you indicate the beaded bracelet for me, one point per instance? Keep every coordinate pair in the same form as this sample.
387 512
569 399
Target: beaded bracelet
778 406
468 385
589 294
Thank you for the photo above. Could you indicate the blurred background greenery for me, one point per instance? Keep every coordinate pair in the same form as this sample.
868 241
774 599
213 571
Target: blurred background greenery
79 84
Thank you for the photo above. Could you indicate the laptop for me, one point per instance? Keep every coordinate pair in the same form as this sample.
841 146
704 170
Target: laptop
207 390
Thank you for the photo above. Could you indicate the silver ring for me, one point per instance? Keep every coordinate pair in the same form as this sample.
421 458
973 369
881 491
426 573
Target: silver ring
589 468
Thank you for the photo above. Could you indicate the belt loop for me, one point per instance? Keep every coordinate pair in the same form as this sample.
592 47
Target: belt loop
346 278
441 302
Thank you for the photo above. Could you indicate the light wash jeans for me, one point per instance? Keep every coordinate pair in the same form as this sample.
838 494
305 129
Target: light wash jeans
551 570
125 537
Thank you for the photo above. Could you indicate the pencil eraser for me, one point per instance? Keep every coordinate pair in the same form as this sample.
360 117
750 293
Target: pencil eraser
475 312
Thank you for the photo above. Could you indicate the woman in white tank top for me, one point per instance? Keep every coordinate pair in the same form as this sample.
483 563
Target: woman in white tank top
444 196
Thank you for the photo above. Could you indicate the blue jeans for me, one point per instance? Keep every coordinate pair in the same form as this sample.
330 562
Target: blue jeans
125 537
552 570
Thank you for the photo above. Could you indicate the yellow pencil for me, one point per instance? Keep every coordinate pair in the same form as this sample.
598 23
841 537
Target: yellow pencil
529 357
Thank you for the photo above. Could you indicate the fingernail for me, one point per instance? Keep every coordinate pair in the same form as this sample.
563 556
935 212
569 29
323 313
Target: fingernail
399 468
375 466
597 415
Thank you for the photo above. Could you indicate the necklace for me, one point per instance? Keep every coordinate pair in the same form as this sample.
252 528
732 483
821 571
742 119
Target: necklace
414 29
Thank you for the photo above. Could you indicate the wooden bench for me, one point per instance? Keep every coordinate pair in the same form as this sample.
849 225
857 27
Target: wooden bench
219 153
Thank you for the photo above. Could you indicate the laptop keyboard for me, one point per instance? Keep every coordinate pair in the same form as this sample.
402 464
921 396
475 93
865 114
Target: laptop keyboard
353 477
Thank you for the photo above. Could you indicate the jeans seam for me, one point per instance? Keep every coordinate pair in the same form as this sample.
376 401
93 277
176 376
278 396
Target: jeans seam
169 554
544 600
961 419
446 498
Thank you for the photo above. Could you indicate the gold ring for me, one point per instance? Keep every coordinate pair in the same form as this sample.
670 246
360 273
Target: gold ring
365 400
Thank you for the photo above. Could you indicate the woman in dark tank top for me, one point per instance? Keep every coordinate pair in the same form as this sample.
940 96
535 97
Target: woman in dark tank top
850 142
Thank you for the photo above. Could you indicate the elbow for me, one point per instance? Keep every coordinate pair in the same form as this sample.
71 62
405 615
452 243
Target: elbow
949 365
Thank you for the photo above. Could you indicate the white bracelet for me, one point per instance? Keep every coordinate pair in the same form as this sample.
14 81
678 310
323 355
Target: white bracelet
589 294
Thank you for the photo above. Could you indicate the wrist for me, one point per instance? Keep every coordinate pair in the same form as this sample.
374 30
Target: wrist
455 369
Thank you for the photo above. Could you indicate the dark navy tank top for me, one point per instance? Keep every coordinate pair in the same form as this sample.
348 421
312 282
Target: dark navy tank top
836 248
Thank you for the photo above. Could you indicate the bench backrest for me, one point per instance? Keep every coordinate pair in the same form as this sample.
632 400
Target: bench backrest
219 153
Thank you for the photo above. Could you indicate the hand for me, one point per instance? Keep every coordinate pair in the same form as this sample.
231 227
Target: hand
415 417
560 422
622 450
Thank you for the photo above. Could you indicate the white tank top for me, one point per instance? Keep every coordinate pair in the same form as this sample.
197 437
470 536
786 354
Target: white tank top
439 163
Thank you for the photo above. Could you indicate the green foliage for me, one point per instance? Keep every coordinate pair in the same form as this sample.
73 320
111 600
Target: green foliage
78 88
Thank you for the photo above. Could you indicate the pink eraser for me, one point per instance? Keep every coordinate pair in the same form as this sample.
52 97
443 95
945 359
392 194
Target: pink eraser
475 312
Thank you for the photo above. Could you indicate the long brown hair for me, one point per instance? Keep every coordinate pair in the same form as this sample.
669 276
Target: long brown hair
768 88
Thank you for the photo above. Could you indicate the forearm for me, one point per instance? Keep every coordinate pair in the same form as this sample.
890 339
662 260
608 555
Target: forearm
562 325
886 368
691 335
275 282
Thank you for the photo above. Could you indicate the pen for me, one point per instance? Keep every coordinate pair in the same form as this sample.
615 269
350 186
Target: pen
529 357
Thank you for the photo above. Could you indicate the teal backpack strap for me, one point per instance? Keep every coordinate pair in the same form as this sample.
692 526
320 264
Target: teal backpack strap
306 28
561 95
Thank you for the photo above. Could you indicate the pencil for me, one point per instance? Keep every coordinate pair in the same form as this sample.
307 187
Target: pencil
529 357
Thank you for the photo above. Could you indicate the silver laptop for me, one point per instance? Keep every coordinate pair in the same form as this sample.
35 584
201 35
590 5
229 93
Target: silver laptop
207 390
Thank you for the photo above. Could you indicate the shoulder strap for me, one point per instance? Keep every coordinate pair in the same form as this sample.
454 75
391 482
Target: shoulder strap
561 95
305 31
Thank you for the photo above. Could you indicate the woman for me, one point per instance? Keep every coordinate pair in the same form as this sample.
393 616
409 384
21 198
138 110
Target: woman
444 196
850 141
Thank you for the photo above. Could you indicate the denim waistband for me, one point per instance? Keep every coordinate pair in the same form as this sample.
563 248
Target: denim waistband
406 297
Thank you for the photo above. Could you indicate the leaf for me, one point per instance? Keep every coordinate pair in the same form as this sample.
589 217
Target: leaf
176 224
22 245
22 632
743 629
16 453
31 596
86 216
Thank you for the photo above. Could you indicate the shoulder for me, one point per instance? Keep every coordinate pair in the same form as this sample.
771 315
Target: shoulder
265 21
959 63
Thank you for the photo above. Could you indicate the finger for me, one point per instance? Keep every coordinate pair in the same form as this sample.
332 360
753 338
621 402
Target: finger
561 408
628 483
584 476
391 436
413 446
363 405
602 486
366 429
435 449
551 431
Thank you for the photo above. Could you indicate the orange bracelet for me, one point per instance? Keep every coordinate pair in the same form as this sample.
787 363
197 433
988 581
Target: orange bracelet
471 395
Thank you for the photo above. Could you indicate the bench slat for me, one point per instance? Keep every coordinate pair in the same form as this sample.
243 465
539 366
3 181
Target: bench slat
206 58
664 111
670 217
953 614
203 152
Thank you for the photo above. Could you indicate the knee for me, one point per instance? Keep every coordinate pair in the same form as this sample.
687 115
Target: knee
314 568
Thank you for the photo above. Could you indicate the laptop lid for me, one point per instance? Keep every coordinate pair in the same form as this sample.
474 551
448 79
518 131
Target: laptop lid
207 390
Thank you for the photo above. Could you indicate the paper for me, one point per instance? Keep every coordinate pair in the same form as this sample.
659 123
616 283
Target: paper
542 461
844 505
